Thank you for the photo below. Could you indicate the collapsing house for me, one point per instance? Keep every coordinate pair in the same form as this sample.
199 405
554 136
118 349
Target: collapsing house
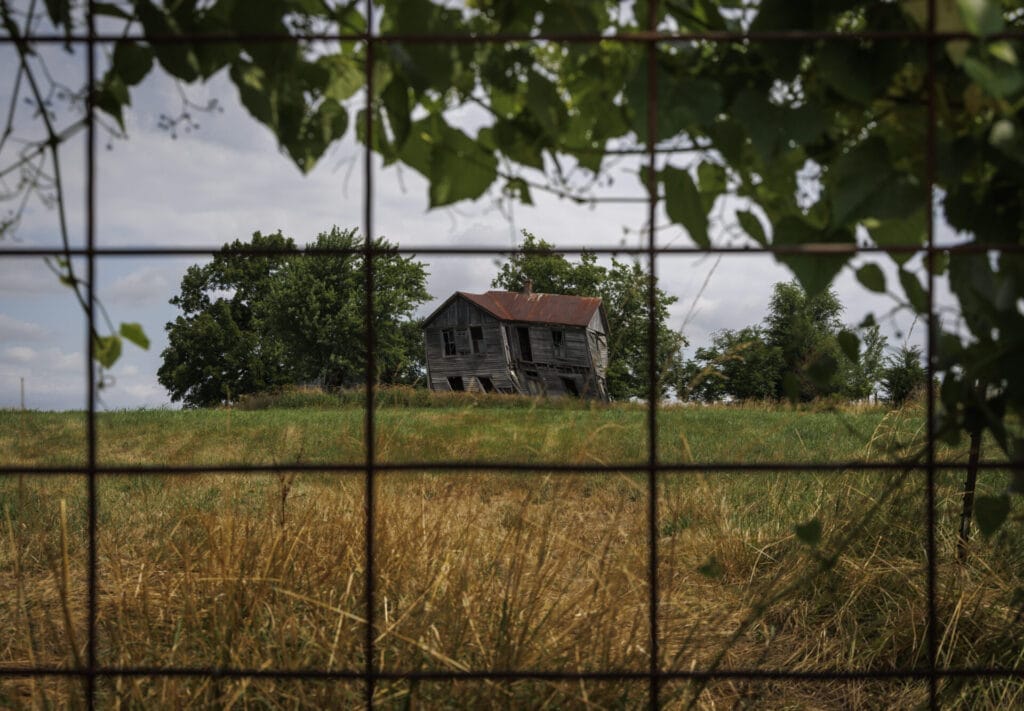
518 342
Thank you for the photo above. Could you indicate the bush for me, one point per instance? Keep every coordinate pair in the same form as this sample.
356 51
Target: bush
903 374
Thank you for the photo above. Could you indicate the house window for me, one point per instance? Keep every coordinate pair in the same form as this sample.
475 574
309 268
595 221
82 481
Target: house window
525 352
449 342
476 334
455 383
558 342
486 383
570 386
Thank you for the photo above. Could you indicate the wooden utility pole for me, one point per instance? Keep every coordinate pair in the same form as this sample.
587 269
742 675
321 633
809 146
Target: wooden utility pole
23 394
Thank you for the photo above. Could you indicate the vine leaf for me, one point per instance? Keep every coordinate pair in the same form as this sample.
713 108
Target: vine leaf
683 204
872 277
991 512
107 349
809 532
133 332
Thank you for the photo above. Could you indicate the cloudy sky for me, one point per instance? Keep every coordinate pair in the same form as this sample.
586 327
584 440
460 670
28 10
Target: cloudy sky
227 179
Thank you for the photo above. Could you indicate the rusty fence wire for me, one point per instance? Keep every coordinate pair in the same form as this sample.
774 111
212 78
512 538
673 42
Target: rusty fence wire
92 670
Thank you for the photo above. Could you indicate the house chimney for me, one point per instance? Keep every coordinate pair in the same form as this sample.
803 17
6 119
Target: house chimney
527 287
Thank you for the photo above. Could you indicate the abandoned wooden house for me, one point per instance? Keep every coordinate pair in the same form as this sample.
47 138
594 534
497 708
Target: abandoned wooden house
518 342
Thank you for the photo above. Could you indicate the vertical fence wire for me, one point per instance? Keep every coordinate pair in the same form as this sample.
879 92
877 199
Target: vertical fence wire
370 675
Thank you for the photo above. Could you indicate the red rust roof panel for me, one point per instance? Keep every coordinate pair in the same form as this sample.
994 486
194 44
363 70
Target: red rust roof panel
537 308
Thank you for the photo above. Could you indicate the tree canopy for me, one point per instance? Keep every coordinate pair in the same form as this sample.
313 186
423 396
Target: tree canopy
623 289
251 322
801 351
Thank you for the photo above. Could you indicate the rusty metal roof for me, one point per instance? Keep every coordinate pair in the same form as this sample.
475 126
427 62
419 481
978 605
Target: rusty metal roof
536 308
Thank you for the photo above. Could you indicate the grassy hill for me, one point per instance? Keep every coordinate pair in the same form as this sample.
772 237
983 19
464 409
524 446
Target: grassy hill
498 570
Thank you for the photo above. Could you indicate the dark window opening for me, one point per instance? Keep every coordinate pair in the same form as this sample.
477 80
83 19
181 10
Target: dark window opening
455 382
449 342
558 343
486 384
525 352
476 334
570 386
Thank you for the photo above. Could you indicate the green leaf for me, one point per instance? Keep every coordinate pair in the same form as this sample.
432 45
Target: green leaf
683 204
752 226
460 168
814 271
711 568
396 102
106 350
133 332
809 532
132 61
850 345
905 232
981 17
991 512
518 189
998 79
712 179
862 183
60 13
916 294
872 277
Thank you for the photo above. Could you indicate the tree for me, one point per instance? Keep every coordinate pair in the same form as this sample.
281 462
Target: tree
623 290
801 351
740 365
317 307
803 328
903 375
221 345
254 322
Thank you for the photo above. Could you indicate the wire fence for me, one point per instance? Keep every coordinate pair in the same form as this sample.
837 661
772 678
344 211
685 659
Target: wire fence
92 669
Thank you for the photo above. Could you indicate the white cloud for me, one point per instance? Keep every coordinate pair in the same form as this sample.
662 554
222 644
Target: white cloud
11 329
146 285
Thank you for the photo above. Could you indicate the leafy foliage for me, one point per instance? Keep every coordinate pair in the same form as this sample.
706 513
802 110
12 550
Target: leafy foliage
623 288
903 375
251 322
801 351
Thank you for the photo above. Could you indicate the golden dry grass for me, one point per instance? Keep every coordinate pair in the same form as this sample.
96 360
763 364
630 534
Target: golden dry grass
495 571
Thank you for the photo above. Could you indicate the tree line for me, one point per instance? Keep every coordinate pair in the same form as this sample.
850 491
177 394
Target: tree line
263 314
801 351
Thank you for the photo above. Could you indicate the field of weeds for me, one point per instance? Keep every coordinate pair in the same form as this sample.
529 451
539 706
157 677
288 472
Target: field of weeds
498 571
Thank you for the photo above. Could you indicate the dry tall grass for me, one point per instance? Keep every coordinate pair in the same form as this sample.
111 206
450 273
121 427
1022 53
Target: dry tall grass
489 571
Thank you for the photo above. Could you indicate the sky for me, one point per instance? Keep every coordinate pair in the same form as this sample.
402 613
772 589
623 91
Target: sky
226 178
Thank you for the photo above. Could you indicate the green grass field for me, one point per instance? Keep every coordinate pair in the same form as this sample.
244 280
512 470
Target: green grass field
485 570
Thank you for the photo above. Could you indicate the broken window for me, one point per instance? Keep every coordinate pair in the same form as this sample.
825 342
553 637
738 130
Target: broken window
486 384
455 383
570 386
449 342
558 342
525 352
476 334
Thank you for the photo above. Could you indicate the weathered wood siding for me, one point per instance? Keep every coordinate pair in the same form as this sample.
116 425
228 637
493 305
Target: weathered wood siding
492 362
576 368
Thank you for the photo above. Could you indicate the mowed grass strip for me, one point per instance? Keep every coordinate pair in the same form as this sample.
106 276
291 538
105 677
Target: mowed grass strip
542 434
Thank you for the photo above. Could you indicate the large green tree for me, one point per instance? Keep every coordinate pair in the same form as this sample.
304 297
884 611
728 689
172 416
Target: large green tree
801 351
221 346
623 288
251 322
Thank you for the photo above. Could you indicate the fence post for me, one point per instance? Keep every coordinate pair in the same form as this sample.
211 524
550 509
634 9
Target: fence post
968 507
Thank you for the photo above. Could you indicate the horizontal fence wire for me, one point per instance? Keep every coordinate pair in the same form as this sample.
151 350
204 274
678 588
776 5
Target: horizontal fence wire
93 468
